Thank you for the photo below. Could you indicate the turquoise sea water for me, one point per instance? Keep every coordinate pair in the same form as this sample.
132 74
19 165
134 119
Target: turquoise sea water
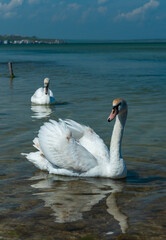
85 78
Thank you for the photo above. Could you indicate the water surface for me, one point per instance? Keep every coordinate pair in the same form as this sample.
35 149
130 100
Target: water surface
85 78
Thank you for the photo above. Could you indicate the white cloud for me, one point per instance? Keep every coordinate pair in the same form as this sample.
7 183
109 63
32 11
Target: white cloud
102 1
12 4
6 9
139 11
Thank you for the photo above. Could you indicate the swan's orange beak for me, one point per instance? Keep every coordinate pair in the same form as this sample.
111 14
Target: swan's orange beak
113 114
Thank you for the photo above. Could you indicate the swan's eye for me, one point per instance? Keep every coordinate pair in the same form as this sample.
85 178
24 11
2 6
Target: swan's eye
116 108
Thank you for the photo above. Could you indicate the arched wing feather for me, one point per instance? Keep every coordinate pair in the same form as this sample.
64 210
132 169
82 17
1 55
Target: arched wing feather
89 140
62 150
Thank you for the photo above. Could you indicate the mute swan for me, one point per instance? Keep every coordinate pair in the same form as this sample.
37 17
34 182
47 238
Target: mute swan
69 148
43 95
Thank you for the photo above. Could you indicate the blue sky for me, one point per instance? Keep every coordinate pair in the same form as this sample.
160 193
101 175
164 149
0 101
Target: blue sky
84 19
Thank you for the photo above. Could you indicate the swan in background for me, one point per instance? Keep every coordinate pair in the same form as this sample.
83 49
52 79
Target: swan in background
69 148
43 95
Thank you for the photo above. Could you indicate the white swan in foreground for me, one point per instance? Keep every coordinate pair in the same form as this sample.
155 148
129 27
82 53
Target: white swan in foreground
43 95
69 148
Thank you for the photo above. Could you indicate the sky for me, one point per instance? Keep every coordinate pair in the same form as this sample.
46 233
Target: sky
84 19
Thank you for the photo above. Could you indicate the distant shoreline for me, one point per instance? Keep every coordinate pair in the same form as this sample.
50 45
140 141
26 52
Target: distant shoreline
82 43
23 40
37 41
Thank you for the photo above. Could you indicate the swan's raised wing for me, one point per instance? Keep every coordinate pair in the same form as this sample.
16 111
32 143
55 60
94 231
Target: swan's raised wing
89 140
62 150
37 95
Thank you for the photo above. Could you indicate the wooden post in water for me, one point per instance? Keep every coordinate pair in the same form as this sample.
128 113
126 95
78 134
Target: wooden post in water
11 70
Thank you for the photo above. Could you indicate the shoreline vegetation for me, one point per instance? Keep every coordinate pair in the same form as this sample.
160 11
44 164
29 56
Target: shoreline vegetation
33 40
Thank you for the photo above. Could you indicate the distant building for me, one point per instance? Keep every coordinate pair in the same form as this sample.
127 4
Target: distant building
16 42
6 42
16 39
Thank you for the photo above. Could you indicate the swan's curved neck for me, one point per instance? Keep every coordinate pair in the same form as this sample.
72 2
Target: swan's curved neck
116 139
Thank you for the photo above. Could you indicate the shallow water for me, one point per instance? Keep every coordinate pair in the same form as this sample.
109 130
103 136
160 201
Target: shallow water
85 78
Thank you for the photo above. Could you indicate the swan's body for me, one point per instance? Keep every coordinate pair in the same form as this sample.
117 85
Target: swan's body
69 148
43 95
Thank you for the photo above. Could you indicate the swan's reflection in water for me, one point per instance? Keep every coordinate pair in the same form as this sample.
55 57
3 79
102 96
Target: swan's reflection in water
113 208
40 111
70 197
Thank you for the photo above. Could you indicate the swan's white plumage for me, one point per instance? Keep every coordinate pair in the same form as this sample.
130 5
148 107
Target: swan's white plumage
69 148
43 164
40 97
89 140
61 149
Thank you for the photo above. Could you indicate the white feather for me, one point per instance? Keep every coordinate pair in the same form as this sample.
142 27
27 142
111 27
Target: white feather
62 150
89 140
43 164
